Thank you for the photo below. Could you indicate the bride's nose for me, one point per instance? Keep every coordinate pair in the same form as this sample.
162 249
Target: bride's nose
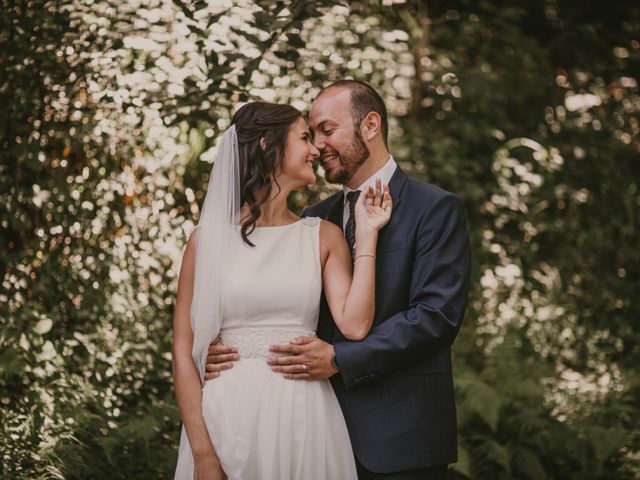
318 143
313 151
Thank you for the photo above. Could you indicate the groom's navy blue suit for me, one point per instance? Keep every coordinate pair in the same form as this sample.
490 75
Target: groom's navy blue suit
396 387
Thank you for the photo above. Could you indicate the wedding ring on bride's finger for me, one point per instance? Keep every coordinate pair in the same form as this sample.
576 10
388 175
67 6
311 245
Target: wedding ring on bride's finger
304 367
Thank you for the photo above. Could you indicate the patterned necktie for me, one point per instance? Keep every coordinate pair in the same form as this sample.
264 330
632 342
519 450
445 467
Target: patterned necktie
350 228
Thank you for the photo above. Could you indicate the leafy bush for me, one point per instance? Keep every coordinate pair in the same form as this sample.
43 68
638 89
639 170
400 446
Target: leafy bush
527 111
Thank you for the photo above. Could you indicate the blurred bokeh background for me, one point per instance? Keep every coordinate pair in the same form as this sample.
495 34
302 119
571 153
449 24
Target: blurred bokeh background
109 115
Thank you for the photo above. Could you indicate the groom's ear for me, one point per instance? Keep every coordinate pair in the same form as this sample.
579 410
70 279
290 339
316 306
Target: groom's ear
371 125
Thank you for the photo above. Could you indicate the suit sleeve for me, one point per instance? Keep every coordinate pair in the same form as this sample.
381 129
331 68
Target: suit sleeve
437 301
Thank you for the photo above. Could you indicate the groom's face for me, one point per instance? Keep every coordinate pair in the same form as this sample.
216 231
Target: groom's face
342 148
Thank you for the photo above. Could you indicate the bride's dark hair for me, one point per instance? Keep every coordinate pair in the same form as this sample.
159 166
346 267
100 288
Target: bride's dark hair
262 130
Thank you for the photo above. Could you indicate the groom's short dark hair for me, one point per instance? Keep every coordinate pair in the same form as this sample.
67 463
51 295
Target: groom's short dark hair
364 99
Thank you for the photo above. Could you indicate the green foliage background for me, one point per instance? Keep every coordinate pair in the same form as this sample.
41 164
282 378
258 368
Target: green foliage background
528 110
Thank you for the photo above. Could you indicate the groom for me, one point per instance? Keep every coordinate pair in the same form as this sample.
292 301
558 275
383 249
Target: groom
395 387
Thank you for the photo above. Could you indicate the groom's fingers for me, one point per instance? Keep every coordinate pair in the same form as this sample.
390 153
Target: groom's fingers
289 369
219 349
286 348
289 360
217 367
213 370
302 340
222 358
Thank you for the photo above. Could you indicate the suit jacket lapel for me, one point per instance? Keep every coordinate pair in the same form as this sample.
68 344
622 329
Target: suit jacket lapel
396 185
336 211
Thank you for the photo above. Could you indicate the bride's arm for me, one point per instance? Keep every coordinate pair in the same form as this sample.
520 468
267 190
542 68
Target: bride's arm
185 374
351 293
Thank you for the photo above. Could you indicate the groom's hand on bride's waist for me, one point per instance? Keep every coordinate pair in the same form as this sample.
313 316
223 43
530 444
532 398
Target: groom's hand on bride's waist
308 358
219 358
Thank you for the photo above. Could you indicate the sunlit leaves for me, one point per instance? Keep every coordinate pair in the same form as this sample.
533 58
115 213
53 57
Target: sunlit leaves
111 114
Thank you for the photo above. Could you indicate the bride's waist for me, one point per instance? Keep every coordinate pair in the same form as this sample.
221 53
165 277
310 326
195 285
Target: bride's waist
253 342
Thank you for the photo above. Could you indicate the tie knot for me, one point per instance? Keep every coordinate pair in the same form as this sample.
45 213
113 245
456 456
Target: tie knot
352 197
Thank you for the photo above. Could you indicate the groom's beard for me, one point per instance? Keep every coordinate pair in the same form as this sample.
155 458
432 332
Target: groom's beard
351 159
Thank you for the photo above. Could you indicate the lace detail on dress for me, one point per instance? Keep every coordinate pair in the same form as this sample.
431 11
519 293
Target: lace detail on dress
253 342
311 221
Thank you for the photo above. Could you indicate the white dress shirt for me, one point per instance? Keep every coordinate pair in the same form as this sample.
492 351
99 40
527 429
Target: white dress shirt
384 174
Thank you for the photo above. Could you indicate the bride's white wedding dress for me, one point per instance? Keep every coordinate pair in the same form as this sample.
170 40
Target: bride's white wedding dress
263 426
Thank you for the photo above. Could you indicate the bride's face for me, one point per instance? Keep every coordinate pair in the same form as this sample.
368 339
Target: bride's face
299 156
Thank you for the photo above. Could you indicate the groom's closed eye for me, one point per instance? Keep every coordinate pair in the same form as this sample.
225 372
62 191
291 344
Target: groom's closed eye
324 129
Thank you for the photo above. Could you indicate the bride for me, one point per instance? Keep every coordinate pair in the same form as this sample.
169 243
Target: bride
253 273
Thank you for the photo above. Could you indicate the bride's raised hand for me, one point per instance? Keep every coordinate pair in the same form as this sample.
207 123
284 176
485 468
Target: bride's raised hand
373 208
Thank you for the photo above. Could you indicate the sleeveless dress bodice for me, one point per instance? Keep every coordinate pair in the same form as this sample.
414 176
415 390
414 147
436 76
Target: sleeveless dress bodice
272 290
263 426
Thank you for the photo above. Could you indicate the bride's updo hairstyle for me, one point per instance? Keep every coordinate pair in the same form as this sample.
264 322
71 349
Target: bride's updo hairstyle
262 130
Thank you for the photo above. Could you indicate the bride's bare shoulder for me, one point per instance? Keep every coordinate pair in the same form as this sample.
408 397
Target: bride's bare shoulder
189 254
329 230
331 237
193 237
187 265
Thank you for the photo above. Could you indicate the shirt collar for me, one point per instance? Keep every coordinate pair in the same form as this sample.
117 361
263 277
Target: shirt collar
384 174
